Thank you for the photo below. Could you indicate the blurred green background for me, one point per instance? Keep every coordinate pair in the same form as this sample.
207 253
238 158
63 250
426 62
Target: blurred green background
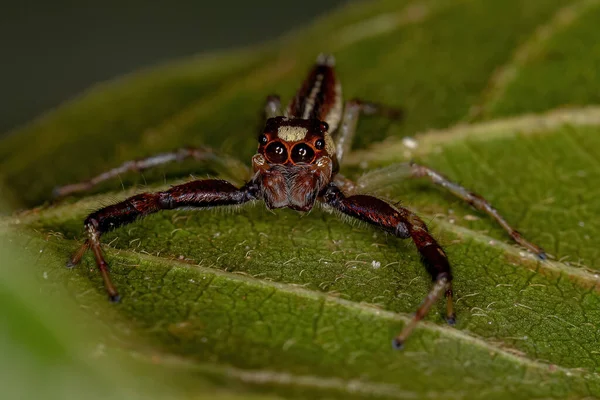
51 51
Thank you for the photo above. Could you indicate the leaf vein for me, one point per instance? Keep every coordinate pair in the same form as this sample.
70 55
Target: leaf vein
504 75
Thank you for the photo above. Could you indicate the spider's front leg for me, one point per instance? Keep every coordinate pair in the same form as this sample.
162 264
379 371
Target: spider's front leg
403 224
197 194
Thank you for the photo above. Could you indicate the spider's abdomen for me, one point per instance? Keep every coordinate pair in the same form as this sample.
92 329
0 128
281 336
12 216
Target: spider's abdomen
320 97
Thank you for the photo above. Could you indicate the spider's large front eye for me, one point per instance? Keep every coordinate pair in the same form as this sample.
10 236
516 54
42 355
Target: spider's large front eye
276 152
302 153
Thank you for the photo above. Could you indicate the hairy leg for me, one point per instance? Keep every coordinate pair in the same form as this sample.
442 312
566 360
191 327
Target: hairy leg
388 175
403 224
222 163
197 194
345 133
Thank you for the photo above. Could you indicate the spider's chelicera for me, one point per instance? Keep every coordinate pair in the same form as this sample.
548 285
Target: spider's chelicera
296 166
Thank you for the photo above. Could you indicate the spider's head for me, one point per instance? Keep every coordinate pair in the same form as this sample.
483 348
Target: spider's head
292 141
295 161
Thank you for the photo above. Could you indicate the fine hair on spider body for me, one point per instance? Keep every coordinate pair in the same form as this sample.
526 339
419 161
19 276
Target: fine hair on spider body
300 151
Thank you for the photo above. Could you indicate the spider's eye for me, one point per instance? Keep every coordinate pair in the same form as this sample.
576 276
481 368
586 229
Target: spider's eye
262 139
319 144
276 152
302 153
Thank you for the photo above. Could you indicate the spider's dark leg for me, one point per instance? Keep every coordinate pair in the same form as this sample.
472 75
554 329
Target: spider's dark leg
198 194
391 174
273 107
403 224
352 110
218 161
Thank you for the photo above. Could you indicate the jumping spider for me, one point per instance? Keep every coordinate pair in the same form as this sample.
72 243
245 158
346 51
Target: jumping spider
296 166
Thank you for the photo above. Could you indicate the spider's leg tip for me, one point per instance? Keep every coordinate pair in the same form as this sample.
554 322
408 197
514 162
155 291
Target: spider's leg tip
56 192
396 113
451 319
542 255
114 298
70 263
397 344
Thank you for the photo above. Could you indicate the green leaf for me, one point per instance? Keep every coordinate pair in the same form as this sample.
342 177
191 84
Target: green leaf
52 348
528 81
289 305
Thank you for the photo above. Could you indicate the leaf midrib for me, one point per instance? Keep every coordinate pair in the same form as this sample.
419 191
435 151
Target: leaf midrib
505 74
395 149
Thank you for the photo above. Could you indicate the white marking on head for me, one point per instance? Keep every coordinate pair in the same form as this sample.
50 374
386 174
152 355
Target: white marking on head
291 133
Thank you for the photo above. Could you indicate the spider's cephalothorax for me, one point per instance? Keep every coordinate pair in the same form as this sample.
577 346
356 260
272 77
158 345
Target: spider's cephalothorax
296 166
295 162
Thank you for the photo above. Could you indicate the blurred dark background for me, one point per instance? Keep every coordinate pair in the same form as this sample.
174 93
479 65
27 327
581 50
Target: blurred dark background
50 51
